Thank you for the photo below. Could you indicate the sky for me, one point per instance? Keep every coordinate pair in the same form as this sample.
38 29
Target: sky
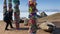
42 4
50 6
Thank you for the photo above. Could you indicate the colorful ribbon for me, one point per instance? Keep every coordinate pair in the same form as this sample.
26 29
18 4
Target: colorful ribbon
32 15
16 12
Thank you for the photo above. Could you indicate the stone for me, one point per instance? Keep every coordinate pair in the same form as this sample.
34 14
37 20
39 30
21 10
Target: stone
47 26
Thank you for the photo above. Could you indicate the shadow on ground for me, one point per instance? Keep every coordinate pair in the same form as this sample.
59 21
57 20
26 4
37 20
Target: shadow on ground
57 31
19 29
23 28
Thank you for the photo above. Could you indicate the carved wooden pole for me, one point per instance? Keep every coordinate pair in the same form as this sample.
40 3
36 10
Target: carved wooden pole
32 16
10 8
16 13
5 7
10 4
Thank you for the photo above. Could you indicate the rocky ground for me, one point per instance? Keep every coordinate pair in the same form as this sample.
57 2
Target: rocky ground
24 29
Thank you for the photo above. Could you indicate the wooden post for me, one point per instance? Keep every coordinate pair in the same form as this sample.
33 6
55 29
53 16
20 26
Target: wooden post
32 16
10 8
4 7
16 13
9 4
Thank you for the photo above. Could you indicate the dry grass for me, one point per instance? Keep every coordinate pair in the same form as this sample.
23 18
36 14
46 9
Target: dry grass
54 17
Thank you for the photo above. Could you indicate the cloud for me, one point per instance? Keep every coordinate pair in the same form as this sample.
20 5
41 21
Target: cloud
1 16
52 10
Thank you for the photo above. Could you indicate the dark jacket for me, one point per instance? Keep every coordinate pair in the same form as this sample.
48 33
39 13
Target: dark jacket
8 16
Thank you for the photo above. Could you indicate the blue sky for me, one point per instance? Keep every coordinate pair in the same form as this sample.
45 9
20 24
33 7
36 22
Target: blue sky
42 5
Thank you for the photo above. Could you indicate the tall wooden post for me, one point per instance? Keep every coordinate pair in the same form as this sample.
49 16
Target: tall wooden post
5 7
10 8
32 16
9 4
16 13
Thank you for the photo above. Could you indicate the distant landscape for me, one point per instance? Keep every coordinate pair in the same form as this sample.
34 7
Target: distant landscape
53 17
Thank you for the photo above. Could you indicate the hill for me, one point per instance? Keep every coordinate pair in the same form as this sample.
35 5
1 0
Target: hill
54 17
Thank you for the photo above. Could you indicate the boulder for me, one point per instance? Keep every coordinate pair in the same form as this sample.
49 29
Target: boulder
47 26
43 14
